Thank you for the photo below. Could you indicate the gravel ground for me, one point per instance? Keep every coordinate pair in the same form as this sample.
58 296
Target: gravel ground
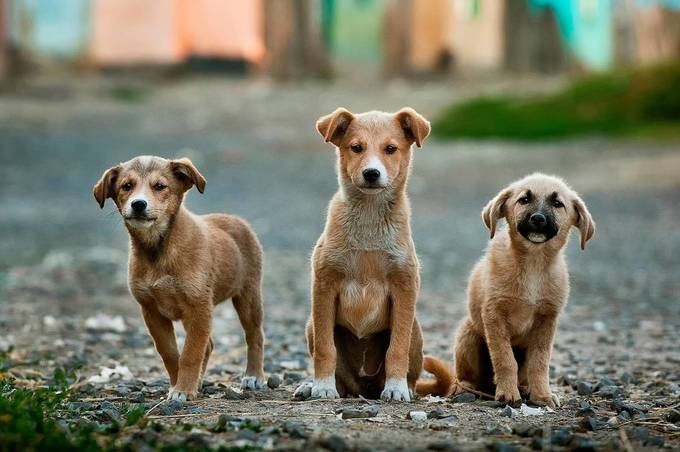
616 364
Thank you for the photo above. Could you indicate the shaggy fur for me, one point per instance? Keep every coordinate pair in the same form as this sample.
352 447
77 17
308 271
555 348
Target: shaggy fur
518 289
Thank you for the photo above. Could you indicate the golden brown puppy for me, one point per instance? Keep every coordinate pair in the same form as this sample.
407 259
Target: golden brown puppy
181 265
363 335
518 289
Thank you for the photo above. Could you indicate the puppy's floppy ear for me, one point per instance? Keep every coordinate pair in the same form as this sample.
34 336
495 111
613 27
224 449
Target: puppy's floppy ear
495 210
415 126
332 127
583 221
185 171
105 187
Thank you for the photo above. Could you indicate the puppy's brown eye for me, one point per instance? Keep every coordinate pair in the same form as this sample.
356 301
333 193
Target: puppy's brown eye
127 186
356 147
390 149
524 200
557 204
159 186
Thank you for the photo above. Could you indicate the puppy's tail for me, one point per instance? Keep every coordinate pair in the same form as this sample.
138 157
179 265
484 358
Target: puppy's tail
442 384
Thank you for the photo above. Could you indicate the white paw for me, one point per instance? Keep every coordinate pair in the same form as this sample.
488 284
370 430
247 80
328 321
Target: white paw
324 388
252 382
396 389
180 396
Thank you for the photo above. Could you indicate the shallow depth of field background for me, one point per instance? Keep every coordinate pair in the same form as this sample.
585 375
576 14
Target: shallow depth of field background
586 89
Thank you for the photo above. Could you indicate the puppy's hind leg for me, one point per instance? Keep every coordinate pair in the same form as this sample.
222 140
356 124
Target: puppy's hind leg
206 357
248 306
469 351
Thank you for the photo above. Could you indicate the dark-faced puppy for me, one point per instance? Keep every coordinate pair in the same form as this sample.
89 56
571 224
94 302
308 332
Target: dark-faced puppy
181 265
363 335
518 289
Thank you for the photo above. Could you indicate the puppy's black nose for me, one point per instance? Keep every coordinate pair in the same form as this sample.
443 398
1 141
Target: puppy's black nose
138 205
537 219
371 175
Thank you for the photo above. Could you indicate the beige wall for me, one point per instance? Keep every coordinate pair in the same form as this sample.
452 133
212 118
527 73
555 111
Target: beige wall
477 42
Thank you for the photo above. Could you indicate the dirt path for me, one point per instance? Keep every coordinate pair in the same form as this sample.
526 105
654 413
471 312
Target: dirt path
65 264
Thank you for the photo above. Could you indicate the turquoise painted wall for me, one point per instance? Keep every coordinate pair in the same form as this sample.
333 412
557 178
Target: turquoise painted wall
52 28
586 27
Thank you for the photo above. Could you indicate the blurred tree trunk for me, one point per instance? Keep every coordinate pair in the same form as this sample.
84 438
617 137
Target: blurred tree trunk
294 39
396 37
3 39
532 39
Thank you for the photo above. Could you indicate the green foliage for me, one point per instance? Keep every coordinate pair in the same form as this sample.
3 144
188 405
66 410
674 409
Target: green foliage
645 101
28 421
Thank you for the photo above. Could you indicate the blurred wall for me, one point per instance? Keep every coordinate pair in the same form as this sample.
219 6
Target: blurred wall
478 34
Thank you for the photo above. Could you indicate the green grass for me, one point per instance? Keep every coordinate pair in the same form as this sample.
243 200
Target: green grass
634 102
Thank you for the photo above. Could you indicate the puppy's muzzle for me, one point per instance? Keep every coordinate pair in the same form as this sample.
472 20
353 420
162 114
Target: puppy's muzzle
538 227
371 175
138 206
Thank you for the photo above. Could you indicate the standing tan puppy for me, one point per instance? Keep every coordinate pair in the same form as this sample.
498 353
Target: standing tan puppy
363 335
181 265
518 289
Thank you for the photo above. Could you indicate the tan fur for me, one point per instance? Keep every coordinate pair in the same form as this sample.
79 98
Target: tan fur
181 265
516 293
443 381
365 273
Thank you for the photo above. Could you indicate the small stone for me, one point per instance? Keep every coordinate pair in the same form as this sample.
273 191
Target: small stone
626 378
170 407
524 430
582 443
246 434
418 416
446 446
136 397
591 423
584 388
350 412
334 443
654 441
585 408
560 437
498 430
438 413
609 391
640 433
673 416
292 377
294 430
274 381
231 394
504 446
506 412
465 397
122 391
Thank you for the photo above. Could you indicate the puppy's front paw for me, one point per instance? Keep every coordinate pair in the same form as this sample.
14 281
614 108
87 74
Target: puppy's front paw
509 395
545 399
396 389
324 388
179 396
252 382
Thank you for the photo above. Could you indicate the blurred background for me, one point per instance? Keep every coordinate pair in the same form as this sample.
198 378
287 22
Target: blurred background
587 89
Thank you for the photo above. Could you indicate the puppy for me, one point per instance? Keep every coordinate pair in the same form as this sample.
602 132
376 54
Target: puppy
181 265
362 334
517 290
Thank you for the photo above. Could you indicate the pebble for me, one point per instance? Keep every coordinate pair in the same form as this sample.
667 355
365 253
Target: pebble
506 412
292 377
274 381
560 437
334 443
584 388
525 430
136 397
437 413
582 443
504 446
418 416
498 430
465 397
294 430
446 446
673 416
585 408
591 423
231 394
170 407
609 391
350 412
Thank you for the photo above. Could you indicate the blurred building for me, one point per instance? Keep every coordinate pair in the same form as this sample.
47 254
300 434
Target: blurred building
297 38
